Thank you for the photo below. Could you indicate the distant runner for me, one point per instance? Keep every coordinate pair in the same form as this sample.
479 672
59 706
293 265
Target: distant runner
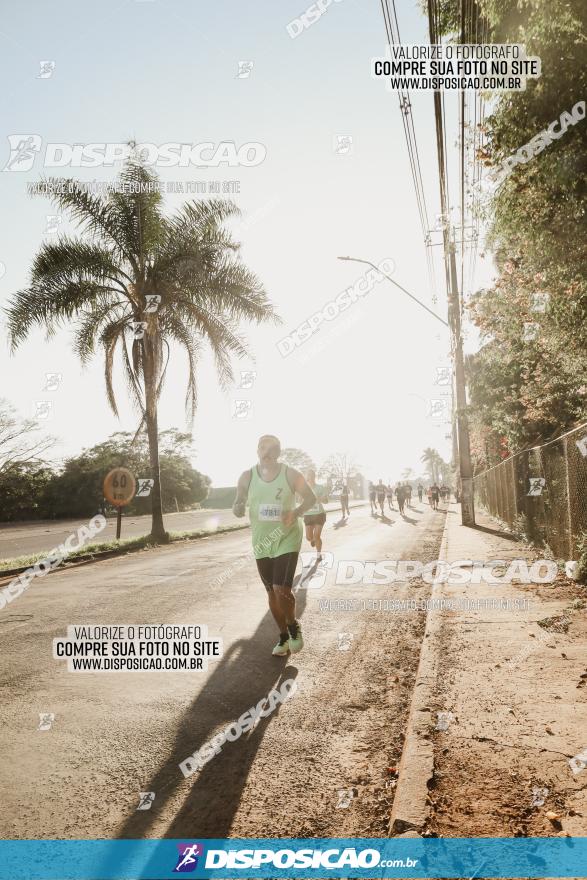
269 489
344 500
434 496
315 517
380 490
409 494
420 491
389 495
401 498
372 497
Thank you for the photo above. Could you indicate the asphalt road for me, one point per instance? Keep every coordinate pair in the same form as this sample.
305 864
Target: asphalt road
24 539
117 734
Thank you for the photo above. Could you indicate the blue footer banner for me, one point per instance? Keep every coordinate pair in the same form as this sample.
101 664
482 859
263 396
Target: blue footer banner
293 857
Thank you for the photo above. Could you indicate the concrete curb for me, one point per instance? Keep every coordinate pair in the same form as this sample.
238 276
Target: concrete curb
410 805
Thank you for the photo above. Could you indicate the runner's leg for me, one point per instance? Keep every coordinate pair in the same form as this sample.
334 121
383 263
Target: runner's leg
286 604
276 610
283 573
318 538
265 568
284 568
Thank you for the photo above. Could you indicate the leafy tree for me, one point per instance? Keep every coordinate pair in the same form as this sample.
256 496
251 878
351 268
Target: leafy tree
297 458
529 380
20 442
77 490
23 490
136 283
339 468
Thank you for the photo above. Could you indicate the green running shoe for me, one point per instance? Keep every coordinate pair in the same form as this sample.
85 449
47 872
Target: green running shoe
296 641
281 649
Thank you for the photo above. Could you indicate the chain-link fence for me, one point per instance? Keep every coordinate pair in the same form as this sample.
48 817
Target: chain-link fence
542 491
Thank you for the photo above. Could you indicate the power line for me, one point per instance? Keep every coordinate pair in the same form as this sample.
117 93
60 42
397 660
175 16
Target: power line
393 37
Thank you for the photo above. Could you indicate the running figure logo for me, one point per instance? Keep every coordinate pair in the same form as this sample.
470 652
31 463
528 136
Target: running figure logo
188 857
23 149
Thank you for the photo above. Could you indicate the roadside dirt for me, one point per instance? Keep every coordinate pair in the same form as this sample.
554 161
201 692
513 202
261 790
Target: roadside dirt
519 706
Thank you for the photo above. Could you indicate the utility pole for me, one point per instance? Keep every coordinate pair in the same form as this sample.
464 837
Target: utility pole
462 426
454 300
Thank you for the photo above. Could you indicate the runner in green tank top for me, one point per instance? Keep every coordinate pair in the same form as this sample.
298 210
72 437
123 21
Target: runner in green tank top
315 517
269 489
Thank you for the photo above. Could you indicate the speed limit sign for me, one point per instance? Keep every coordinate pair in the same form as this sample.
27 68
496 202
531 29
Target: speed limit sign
119 487
119 490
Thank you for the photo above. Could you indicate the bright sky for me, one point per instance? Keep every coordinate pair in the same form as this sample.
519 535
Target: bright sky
166 71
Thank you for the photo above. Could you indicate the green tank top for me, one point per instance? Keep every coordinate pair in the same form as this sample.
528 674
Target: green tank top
318 507
267 502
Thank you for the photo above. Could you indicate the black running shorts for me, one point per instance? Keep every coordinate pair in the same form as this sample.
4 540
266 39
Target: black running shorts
315 519
278 571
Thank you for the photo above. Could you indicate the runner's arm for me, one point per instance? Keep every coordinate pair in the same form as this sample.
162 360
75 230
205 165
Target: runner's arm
242 488
298 483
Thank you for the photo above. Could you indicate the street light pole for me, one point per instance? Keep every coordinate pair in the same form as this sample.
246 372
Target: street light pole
403 289
461 429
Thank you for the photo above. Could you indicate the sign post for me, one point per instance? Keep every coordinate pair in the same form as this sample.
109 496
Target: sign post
119 490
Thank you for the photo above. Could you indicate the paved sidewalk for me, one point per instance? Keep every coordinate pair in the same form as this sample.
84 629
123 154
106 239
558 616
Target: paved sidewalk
511 677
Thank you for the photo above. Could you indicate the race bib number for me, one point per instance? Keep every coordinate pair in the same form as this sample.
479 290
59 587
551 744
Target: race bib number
270 512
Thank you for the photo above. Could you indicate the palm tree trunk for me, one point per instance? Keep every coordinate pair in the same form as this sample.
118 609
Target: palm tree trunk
158 533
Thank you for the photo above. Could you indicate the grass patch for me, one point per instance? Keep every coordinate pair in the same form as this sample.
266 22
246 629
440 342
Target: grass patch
125 545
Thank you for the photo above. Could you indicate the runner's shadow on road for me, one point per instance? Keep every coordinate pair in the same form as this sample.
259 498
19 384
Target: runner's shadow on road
207 801
340 523
408 519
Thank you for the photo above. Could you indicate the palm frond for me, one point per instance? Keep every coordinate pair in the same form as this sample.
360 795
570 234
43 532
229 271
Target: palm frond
193 346
90 323
51 305
93 213
110 336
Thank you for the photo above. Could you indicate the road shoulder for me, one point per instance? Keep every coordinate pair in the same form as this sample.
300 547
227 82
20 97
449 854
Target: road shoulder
510 677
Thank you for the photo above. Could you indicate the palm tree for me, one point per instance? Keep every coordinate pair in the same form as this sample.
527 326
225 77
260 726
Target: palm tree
431 459
138 281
